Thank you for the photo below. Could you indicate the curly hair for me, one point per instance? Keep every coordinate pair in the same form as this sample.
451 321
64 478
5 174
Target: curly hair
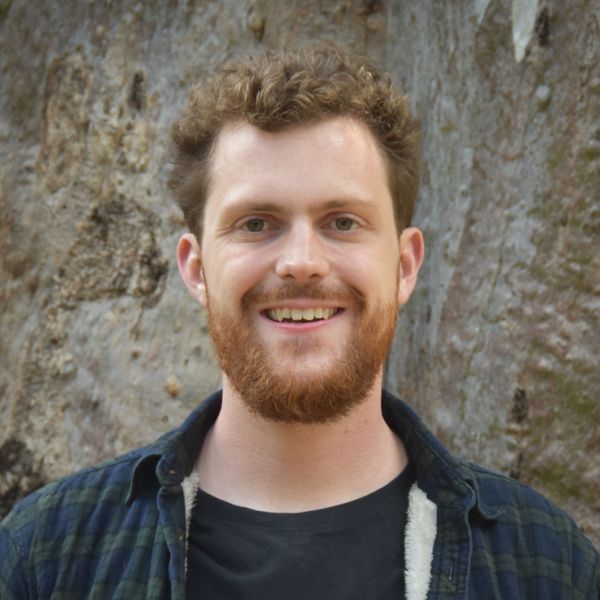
288 87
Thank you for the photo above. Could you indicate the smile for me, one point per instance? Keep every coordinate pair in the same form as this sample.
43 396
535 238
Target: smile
301 314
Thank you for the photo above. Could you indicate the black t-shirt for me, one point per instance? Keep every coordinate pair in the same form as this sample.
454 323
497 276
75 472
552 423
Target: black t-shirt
351 551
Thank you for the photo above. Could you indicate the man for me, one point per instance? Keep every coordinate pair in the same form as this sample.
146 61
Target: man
297 174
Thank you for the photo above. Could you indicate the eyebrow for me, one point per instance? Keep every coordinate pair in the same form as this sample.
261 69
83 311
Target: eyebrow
342 203
334 204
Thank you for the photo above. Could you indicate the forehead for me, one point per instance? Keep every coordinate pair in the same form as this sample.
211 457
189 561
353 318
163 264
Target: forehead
328 160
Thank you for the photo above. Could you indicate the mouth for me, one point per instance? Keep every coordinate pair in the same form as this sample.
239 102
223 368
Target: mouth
300 315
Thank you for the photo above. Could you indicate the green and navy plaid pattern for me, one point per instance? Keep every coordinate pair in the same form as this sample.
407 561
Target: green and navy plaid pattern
118 530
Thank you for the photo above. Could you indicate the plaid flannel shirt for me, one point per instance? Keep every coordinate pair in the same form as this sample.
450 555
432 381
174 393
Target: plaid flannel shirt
118 530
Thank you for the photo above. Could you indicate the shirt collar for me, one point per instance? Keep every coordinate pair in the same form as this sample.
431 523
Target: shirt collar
447 480
166 462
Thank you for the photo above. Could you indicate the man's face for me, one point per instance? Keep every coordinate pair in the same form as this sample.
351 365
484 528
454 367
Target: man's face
300 266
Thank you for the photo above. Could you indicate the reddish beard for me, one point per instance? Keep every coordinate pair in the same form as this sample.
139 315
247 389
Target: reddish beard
296 397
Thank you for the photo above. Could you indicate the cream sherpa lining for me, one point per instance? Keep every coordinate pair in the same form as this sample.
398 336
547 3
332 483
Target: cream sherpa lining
421 526
189 486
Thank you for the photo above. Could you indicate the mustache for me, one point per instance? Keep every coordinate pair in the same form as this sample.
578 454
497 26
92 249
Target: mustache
294 290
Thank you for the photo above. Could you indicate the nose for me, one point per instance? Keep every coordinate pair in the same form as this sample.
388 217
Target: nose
302 257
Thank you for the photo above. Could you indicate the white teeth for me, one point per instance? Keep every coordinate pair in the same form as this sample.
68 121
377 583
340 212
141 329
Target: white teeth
279 314
298 314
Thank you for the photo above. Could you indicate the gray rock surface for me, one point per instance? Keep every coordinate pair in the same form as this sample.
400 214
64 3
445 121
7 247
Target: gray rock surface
101 348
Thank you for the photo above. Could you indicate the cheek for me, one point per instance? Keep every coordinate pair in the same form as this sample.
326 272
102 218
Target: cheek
370 272
379 286
230 275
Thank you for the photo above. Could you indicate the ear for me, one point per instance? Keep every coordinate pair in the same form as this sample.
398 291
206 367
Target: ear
189 261
412 251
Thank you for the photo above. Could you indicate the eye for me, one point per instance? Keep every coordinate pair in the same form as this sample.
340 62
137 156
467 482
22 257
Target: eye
345 224
255 225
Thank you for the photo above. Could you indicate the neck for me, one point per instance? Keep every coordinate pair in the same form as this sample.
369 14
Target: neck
278 467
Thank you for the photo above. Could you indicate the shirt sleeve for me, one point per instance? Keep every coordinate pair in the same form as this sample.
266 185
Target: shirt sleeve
585 567
594 592
12 580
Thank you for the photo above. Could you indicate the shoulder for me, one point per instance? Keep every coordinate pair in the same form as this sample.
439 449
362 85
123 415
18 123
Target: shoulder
105 479
52 512
537 538
512 500
73 521
500 493
109 487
